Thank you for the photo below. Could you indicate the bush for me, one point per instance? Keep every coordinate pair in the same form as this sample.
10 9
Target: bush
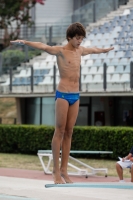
29 139
12 58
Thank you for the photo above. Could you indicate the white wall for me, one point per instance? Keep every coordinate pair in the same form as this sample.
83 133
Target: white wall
52 11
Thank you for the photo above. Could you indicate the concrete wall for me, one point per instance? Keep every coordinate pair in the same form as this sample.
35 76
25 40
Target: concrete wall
52 11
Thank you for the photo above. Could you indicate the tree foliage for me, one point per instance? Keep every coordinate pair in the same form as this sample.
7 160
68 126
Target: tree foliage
13 14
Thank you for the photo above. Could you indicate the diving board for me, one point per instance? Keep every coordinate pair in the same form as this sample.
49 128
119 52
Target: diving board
84 170
93 185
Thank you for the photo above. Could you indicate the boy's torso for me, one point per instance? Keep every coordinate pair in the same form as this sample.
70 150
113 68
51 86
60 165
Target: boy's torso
69 67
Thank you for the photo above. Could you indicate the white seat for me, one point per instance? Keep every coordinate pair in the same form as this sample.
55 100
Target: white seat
21 74
98 62
98 36
49 58
125 78
127 69
84 70
48 80
107 61
86 57
36 65
89 63
114 61
98 78
87 43
88 79
57 73
119 54
100 70
124 61
117 29
51 72
119 69
6 83
106 35
115 78
50 64
94 42
91 37
109 77
43 64
111 54
94 56
82 62
93 70
110 69
126 12
57 79
102 56
28 72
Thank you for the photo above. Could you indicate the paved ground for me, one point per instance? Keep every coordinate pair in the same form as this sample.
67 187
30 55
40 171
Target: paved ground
29 185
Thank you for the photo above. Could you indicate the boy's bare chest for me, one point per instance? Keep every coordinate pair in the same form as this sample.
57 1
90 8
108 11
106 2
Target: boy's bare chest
71 58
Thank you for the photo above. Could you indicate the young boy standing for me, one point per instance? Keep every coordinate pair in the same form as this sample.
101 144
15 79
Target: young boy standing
67 94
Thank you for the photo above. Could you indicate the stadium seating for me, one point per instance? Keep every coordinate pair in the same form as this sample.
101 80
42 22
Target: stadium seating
117 33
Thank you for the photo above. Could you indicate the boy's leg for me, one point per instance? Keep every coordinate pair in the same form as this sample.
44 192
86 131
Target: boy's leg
132 173
66 142
119 171
61 110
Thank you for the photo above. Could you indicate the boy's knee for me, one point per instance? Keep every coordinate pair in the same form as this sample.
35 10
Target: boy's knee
69 132
60 131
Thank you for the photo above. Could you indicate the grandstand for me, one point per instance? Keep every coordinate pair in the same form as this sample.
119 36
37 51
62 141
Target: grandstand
106 79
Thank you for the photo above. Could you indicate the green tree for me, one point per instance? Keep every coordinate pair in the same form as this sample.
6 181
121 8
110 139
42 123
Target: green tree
14 13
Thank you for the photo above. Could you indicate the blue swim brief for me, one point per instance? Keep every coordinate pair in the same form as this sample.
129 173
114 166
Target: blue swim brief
70 97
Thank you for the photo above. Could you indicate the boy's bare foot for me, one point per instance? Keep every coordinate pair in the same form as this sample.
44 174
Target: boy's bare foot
57 178
66 178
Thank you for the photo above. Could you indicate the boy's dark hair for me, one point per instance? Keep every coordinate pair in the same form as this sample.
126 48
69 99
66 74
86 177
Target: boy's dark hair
75 29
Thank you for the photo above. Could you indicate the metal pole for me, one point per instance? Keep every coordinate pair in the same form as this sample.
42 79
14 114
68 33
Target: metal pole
131 75
94 12
26 53
50 35
40 110
32 79
0 63
10 86
114 5
104 76
54 78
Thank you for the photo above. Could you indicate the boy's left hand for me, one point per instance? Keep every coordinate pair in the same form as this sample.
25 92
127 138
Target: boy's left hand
109 49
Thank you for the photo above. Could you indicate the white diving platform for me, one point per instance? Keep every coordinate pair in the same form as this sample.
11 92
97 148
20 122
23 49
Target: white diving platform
84 170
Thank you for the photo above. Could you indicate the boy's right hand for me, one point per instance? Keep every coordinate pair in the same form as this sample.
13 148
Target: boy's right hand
20 42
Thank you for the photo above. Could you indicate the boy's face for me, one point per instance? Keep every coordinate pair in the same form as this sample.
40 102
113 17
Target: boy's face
76 41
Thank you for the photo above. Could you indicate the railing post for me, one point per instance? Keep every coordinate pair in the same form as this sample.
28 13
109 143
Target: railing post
94 12
50 35
26 53
114 5
32 78
0 63
54 78
10 86
131 75
104 76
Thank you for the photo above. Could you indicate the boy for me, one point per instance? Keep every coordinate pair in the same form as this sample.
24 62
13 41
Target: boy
67 94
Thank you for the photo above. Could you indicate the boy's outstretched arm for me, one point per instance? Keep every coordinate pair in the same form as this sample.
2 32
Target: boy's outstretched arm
53 50
95 50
